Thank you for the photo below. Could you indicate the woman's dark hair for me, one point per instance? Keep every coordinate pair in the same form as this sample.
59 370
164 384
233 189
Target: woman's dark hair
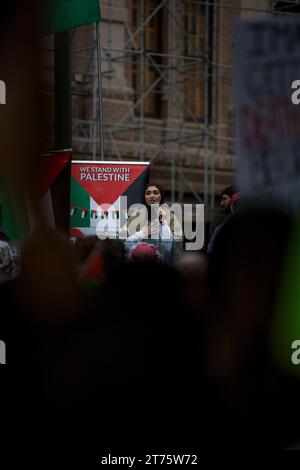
229 191
158 186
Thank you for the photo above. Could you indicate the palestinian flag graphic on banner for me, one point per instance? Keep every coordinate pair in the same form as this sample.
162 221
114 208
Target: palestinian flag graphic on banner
96 188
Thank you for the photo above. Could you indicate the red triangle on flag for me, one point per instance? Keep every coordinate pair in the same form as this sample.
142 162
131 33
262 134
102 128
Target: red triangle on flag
52 165
93 267
104 186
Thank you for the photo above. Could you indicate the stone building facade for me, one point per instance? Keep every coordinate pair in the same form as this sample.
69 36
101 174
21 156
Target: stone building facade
168 90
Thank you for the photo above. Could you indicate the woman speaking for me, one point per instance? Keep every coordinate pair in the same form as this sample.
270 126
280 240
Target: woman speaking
153 222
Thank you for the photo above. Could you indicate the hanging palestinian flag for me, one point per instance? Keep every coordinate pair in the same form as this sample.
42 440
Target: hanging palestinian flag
96 189
62 15
55 188
53 195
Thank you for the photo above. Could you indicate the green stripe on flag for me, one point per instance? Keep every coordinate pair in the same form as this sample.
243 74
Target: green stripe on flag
14 216
62 15
80 200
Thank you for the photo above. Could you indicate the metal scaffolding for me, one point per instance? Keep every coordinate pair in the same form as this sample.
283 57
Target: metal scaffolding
189 152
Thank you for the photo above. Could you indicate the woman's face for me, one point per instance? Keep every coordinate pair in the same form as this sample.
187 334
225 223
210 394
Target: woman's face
152 195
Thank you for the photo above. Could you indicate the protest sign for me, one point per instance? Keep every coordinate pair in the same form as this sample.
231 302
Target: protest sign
96 188
267 62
